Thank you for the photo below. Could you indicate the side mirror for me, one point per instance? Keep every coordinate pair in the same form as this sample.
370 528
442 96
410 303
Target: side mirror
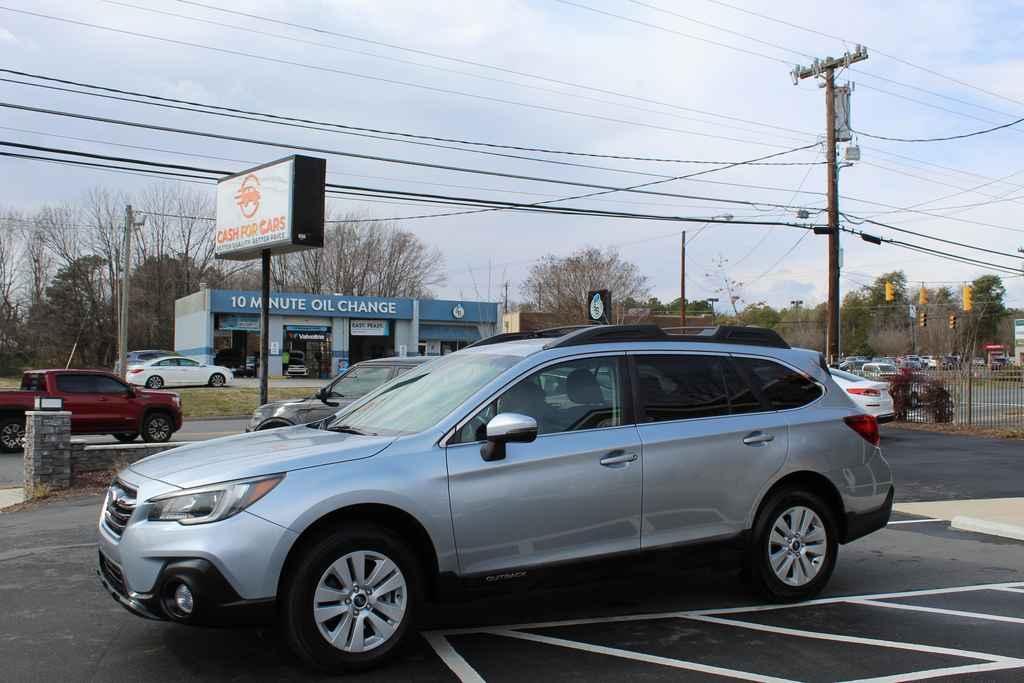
131 392
324 396
507 428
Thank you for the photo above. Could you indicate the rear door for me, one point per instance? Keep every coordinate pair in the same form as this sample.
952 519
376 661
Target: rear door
574 492
79 398
709 445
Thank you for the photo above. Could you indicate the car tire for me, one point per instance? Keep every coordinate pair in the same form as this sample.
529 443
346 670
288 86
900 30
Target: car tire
217 380
368 628
12 434
157 427
126 437
272 424
793 545
155 382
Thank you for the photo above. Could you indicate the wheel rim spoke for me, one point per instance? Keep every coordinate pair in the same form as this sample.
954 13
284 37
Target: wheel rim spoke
797 546
360 601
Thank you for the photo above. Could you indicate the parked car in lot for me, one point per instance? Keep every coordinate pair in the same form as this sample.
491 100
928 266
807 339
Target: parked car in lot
359 380
873 397
879 371
177 371
137 357
520 454
99 402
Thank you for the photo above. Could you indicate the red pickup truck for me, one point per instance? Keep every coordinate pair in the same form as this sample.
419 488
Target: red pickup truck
100 403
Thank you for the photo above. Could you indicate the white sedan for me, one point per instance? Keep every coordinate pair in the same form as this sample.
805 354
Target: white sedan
872 397
178 371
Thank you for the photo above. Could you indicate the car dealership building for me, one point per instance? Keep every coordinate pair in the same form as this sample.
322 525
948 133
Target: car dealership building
328 331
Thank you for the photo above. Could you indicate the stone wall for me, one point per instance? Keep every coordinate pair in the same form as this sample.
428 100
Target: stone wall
54 462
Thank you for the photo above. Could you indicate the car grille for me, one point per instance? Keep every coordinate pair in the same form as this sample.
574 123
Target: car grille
119 506
112 573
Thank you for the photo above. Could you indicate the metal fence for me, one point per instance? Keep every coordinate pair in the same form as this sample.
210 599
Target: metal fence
978 397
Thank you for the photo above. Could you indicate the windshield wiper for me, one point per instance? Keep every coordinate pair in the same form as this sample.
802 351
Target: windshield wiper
348 429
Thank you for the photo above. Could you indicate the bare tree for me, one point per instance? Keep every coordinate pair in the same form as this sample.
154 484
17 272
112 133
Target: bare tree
559 285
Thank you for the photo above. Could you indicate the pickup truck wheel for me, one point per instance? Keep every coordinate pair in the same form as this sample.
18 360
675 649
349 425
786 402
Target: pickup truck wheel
126 437
794 545
349 600
12 434
155 382
157 428
217 380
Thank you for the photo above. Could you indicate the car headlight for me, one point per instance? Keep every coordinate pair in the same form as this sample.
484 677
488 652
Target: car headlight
212 503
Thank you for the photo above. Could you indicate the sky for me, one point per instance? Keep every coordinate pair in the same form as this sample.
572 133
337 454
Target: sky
701 80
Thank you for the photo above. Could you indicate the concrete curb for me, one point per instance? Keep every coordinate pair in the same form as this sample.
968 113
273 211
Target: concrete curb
11 496
985 526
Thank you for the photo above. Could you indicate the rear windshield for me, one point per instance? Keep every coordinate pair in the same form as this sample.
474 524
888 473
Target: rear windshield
33 381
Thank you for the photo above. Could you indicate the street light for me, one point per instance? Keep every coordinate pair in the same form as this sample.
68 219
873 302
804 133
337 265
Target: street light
797 302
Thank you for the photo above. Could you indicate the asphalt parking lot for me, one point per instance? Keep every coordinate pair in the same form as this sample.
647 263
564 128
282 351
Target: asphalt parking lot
917 600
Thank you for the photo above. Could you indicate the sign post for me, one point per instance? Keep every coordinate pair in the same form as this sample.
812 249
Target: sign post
275 208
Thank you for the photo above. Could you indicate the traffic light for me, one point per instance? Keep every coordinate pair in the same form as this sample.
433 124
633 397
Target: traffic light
922 319
968 298
922 297
890 292
952 321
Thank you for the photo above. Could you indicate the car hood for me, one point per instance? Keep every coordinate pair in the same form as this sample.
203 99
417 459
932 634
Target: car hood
256 454
274 407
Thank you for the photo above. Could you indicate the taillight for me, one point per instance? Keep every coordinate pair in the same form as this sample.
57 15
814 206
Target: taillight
134 371
865 425
864 392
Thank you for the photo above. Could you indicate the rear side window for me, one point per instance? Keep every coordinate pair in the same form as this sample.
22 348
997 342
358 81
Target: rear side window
678 387
783 387
89 384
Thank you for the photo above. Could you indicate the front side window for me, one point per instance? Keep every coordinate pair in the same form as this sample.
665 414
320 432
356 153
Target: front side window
579 394
783 387
419 399
107 385
678 387
360 381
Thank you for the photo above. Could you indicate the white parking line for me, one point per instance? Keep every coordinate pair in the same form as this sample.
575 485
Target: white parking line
914 521
639 656
735 610
856 640
459 666
1010 590
938 610
948 671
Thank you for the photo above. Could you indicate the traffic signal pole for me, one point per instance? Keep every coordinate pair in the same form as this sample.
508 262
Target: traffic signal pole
826 69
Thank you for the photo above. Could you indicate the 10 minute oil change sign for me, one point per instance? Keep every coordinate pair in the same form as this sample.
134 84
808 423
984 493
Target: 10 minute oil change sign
278 206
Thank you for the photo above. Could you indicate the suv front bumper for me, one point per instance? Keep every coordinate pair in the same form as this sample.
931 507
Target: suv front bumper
215 602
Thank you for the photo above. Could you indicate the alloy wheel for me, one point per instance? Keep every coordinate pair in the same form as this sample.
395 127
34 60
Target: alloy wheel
797 546
158 428
217 380
12 436
155 382
360 601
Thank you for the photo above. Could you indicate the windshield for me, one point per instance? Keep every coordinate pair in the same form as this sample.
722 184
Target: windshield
420 398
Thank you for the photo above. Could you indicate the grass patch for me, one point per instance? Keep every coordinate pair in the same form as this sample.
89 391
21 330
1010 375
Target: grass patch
10 382
231 401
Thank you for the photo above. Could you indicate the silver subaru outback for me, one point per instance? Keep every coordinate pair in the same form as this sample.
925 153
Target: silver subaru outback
522 452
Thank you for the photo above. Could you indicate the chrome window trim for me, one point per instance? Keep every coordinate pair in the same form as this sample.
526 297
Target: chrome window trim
443 442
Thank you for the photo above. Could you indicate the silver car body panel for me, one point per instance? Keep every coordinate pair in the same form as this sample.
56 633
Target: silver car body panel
547 501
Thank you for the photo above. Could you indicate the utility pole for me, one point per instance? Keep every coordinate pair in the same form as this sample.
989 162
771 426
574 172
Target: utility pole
126 269
682 281
826 69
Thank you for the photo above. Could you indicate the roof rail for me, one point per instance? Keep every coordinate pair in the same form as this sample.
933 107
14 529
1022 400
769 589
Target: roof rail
533 334
721 334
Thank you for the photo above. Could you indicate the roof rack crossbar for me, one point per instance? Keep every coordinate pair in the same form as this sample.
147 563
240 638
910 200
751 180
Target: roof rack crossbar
577 335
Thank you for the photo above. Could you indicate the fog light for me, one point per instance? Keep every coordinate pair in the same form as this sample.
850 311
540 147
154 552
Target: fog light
183 599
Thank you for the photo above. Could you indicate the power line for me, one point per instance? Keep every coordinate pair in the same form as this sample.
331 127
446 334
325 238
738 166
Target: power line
349 127
380 79
369 157
932 237
943 139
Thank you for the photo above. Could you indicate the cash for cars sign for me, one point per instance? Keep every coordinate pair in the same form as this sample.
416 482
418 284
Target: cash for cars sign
277 206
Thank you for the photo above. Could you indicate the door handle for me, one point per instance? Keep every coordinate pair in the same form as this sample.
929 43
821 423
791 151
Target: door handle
618 457
757 438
